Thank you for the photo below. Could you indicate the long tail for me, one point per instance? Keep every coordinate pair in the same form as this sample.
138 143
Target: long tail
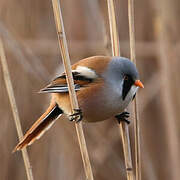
40 126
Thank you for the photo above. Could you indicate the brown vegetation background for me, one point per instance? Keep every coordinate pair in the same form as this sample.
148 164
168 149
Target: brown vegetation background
28 32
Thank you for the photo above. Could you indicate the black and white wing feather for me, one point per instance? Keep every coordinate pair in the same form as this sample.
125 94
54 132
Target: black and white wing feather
82 78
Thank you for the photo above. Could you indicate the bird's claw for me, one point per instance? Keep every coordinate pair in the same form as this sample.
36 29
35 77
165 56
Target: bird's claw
77 116
123 117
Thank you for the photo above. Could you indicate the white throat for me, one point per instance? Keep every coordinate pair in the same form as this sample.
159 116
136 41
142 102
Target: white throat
131 93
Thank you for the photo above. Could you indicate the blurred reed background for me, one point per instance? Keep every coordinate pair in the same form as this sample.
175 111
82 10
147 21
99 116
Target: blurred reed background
29 35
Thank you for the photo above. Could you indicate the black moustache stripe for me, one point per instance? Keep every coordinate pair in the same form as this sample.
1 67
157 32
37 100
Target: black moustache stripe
126 87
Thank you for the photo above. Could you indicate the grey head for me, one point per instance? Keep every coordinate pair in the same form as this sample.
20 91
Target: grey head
121 74
121 66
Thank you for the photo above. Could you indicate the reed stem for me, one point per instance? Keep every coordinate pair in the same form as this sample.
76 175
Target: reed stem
124 129
136 119
12 100
70 82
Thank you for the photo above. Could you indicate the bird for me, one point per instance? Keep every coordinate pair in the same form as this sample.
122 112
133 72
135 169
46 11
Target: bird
104 87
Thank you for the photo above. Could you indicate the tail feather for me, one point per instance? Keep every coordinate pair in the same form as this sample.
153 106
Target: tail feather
40 126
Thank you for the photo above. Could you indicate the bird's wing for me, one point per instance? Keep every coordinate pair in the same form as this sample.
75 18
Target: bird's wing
40 126
82 78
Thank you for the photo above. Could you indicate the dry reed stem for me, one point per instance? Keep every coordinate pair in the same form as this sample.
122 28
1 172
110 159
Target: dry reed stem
70 82
136 119
113 29
124 130
12 100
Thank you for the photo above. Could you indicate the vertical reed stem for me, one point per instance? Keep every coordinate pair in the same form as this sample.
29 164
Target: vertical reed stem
12 100
70 82
113 29
136 119
124 130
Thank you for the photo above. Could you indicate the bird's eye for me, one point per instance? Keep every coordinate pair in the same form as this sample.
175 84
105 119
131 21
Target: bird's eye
126 77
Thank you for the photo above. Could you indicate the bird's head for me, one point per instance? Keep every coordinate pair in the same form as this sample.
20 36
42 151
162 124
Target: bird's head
123 71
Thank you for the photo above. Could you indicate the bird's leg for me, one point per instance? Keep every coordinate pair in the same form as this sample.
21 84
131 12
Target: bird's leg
123 117
77 116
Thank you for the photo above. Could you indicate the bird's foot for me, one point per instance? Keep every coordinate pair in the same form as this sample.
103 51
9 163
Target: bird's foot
77 116
123 117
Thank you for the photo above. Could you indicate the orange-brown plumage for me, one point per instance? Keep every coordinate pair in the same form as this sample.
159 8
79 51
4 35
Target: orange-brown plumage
96 63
